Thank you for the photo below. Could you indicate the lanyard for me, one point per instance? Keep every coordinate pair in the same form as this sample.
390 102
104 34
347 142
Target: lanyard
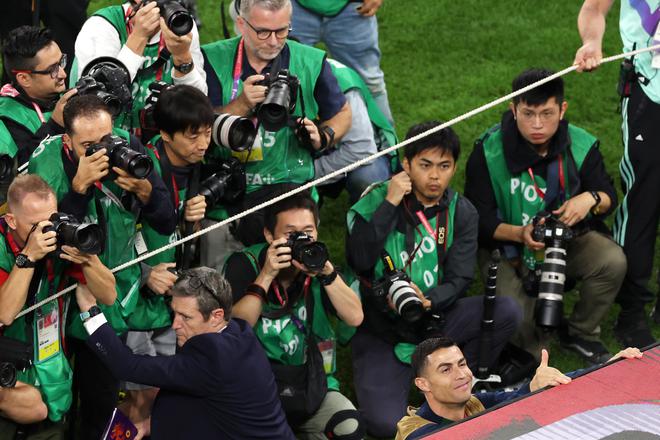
283 302
9 90
427 226
175 187
538 190
238 69
161 43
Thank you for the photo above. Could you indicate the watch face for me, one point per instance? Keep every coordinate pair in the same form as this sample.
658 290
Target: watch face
23 261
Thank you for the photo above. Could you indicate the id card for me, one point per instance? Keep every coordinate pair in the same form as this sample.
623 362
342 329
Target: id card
140 244
327 349
655 61
48 334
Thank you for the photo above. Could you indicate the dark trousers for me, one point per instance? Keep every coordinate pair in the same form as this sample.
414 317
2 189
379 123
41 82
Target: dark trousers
96 389
636 221
382 382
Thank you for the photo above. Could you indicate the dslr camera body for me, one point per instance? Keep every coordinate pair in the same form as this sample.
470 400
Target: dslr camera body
281 97
394 287
306 251
86 237
109 80
122 156
226 185
147 122
15 355
87 85
556 235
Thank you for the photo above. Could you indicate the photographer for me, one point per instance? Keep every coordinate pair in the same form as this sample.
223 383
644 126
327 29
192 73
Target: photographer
242 72
137 35
430 235
30 272
104 189
184 116
276 293
30 105
533 161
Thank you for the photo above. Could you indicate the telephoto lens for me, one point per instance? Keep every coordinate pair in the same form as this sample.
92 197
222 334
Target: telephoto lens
122 156
89 238
395 286
233 132
7 375
280 100
176 16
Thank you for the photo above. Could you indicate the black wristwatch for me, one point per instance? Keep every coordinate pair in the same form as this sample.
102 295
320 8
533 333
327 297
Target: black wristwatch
23 261
92 312
184 67
594 210
329 140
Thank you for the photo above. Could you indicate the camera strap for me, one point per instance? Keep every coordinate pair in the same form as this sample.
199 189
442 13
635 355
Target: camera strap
438 236
238 70
163 52
555 182
10 91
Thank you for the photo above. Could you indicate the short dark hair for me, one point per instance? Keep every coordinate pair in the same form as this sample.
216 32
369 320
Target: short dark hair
302 200
21 46
425 348
82 106
445 139
182 107
211 290
541 94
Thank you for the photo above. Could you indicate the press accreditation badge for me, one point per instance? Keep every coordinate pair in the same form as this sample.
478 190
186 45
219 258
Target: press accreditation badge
140 244
48 334
327 349
655 62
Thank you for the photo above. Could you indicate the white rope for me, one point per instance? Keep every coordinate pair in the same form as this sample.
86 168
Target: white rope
347 168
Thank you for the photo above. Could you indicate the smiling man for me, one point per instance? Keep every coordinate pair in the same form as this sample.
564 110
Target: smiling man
430 233
533 161
218 385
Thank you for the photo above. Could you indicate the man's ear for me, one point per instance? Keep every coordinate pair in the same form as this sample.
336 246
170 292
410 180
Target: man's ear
67 140
422 384
11 220
166 137
23 80
405 163
512 107
562 109
268 235
218 315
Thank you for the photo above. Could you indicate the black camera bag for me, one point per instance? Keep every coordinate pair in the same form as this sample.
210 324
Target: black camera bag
302 388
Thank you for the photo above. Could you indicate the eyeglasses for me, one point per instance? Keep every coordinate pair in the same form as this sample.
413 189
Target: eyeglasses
195 281
53 70
264 34
545 115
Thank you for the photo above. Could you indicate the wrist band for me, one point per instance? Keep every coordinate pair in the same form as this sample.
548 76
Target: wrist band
256 290
328 279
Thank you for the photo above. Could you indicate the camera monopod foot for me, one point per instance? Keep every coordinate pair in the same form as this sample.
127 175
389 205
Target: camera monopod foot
492 382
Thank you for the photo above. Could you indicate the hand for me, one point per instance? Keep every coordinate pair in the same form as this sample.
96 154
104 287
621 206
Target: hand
253 94
628 353
526 237
59 107
278 257
369 8
140 187
195 208
425 301
327 269
314 134
84 298
40 243
90 169
179 46
74 255
575 209
399 186
589 56
161 279
546 375
146 21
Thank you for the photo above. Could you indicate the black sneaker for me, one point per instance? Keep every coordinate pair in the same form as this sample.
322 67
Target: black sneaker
594 352
634 332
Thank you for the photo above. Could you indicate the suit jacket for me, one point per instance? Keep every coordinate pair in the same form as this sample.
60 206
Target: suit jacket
217 386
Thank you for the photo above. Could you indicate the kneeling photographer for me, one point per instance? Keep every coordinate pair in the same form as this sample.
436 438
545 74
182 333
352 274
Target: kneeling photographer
414 290
105 175
287 289
542 191
40 250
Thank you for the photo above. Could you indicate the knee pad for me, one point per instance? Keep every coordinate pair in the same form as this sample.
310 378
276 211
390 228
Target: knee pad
340 417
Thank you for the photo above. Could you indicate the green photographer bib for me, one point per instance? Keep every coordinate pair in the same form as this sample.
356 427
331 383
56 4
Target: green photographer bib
50 373
275 157
283 341
517 199
424 269
145 76
17 112
46 161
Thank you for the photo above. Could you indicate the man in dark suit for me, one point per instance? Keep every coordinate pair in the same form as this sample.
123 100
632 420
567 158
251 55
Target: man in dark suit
219 384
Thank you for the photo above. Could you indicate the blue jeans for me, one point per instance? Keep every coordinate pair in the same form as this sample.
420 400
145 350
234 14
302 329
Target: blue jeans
351 39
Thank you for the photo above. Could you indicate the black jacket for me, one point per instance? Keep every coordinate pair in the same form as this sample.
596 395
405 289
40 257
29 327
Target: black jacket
520 156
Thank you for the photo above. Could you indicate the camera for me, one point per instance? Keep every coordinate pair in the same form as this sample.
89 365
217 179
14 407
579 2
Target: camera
6 167
226 185
395 285
14 355
233 132
313 254
121 156
176 16
556 235
147 121
109 80
87 237
280 102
